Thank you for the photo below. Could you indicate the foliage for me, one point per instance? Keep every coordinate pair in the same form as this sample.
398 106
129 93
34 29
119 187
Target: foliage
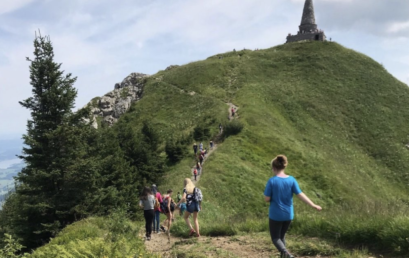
175 150
112 236
201 133
11 248
232 128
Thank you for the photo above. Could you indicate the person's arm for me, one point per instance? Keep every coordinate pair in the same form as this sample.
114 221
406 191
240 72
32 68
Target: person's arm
183 198
267 198
140 204
268 192
307 200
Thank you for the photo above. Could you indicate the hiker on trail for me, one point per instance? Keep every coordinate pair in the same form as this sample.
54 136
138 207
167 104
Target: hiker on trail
203 153
279 193
154 189
147 202
193 198
195 148
232 112
211 145
201 158
156 219
201 146
195 174
199 168
220 128
167 202
178 197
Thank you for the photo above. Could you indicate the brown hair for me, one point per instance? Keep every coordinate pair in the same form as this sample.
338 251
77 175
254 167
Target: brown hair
170 191
279 162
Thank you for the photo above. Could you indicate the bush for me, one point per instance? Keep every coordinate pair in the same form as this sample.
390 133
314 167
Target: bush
201 133
175 151
232 128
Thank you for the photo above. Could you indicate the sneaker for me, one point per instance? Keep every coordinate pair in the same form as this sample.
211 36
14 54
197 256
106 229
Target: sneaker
148 238
158 232
192 231
286 254
163 228
197 235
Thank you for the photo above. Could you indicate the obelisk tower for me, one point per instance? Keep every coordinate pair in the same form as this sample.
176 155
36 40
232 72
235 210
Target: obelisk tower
308 17
308 28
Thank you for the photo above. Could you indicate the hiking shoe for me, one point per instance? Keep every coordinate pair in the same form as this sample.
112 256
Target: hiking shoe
192 231
158 232
286 254
163 228
197 235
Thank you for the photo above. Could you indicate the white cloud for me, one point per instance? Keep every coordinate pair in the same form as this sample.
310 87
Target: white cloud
7 6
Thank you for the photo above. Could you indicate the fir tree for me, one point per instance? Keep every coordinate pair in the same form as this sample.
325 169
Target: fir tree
54 152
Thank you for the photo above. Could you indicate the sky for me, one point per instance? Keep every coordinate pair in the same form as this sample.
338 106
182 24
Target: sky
103 41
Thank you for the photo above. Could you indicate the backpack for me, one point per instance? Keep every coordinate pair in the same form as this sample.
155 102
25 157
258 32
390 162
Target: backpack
157 203
165 205
195 171
197 195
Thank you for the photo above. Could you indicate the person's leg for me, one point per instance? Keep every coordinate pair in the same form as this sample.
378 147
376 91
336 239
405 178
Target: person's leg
286 225
196 220
150 216
186 217
157 221
275 233
145 214
169 218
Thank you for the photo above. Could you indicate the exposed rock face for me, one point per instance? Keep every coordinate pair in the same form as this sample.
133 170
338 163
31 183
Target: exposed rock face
115 103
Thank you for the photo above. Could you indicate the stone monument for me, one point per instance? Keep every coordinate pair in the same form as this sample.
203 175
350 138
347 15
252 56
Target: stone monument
308 28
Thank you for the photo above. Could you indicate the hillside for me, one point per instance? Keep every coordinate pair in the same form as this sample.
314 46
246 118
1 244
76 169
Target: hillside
339 116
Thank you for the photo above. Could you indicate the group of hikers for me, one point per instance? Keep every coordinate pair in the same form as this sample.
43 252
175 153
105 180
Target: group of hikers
153 204
278 192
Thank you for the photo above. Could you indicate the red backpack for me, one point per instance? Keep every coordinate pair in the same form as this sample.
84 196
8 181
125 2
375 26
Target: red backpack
195 171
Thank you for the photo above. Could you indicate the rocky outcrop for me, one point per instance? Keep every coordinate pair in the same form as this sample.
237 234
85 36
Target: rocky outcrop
115 103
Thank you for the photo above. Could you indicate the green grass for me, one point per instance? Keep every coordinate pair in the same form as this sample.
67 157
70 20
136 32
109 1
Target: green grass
113 236
339 117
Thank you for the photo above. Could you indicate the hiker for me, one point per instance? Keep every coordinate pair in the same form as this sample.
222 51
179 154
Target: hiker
211 145
156 219
167 202
201 158
220 128
201 146
195 174
178 197
232 112
195 148
154 189
199 168
147 202
193 197
279 193
182 208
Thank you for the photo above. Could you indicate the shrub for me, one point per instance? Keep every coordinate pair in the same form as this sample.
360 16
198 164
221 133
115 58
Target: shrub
232 128
201 133
175 151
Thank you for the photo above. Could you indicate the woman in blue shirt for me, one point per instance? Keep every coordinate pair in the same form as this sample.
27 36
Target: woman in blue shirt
279 193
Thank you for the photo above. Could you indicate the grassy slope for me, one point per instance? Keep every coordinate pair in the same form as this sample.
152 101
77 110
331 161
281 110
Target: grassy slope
338 116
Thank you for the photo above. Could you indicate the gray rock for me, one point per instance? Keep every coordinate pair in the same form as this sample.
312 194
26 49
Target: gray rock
117 102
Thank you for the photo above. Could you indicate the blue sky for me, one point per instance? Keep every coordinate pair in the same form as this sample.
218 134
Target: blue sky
102 41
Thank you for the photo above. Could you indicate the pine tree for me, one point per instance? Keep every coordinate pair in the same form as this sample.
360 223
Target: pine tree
54 153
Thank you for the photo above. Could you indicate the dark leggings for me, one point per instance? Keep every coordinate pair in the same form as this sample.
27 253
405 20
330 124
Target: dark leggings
149 215
277 233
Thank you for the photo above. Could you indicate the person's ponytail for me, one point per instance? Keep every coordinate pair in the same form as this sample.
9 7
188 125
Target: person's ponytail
280 162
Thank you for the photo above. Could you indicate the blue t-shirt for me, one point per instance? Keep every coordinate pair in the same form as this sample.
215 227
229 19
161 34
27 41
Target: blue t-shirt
281 191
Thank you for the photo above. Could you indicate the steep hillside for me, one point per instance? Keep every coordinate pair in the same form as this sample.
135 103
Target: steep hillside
340 117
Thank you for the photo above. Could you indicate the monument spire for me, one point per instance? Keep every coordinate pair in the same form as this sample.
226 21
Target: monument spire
308 17
308 27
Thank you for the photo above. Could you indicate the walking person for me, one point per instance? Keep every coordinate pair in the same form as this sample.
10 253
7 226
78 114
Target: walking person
195 148
147 202
156 219
232 112
167 200
211 145
201 146
195 174
221 128
193 198
199 167
279 193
